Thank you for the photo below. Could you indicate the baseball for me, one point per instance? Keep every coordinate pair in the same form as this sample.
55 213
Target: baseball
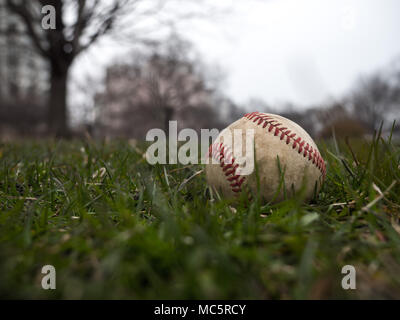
285 160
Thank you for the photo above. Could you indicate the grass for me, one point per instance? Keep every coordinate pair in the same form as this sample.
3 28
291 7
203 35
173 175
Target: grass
115 227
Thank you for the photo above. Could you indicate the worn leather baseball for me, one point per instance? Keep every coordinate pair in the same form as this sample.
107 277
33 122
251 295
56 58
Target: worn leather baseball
301 166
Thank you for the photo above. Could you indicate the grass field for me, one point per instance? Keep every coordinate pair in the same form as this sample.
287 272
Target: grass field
115 227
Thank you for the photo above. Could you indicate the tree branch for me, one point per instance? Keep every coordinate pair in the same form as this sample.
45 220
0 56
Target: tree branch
106 25
22 11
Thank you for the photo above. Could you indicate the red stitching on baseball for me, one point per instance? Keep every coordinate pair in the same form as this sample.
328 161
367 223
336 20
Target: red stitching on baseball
313 155
222 153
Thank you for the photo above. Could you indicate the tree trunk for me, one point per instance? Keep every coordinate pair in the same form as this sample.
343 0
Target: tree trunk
57 104
168 114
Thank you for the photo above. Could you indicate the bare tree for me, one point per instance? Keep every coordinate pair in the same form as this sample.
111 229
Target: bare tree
157 87
175 81
79 25
62 45
373 100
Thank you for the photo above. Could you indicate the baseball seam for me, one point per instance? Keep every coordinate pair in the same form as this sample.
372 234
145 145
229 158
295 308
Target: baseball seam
278 129
223 154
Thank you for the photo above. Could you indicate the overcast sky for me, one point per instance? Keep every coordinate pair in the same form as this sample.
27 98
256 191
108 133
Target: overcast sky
288 50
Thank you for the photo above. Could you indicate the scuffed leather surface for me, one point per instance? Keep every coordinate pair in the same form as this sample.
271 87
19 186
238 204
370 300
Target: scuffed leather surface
300 172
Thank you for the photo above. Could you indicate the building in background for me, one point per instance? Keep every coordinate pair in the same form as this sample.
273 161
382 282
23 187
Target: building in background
23 78
22 69
153 90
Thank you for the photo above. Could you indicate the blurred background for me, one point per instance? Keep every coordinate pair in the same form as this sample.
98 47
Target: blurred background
117 68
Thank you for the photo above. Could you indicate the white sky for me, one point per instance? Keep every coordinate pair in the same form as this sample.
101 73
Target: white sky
288 50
